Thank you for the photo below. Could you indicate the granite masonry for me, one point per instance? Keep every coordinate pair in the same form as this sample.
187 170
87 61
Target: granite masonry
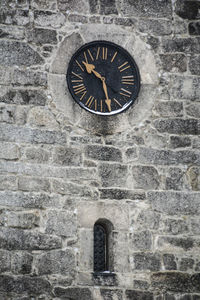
63 169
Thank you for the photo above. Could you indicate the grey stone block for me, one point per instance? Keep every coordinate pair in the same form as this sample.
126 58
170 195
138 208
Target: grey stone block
113 175
156 9
29 200
67 156
108 7
120 194
155 27
24 284
48 19
185 45
8 183
164 242
176 180
45 4
103 153
38 155
27 135
28 77
68 188
73 293
12 32
175 282
24 97
175 203
178 126
22 219
140 285
18 239
33 184
79 6
141 240
169 262
139 295
56 262
42 36
186 264
168 157
147 261
5 261
21 262
185 87
187 9
147 219
14 17
131 154
9 151
175 227
145 177
16 53
174 62
61 223
180 141
109 294
78 18
194 28
194 65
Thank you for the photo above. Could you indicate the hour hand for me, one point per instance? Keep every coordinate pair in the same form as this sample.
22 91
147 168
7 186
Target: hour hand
89 67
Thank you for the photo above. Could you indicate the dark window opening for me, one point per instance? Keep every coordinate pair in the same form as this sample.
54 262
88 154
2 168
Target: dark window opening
102 246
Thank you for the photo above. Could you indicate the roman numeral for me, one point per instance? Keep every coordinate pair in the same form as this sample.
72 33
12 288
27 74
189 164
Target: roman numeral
90 54
104 53
79 88
83 96
79 66
98 50
125 93
86 60
124 65
128 80
79 76
113 57
117 102
89 101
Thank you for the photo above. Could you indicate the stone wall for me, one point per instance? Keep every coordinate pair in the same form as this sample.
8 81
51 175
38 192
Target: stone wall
63 168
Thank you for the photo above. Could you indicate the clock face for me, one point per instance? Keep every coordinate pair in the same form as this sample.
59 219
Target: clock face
103 78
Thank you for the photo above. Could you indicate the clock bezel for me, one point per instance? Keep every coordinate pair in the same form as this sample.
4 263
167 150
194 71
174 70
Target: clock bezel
131 59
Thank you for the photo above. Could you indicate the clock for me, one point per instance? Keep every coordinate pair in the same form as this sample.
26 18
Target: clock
103 78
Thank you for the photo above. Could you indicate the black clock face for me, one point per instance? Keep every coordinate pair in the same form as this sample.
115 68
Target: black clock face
103 78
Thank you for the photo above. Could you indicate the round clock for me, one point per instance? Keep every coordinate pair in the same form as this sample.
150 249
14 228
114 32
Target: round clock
103 78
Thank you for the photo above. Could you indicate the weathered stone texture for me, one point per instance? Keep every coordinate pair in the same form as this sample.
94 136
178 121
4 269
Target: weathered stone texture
16 53
62 168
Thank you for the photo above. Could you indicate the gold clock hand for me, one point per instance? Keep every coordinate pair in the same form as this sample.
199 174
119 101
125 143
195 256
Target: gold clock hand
107 101
90 69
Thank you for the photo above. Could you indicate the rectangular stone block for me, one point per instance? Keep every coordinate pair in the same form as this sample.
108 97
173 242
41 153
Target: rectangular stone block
185 45
60 262
61 223
33 184
5 261
103 153
67 156
145 177
185 87
48 19
17 53
29 200
141 240
8 183
24 284
172 243
168 109
9 151
113 175
155 27
139 295
121 194
11 32
28 77
10 133
42 36
68 188
24 97
147 261
168 157
26 219
18 239
21 262
156 9
175 203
